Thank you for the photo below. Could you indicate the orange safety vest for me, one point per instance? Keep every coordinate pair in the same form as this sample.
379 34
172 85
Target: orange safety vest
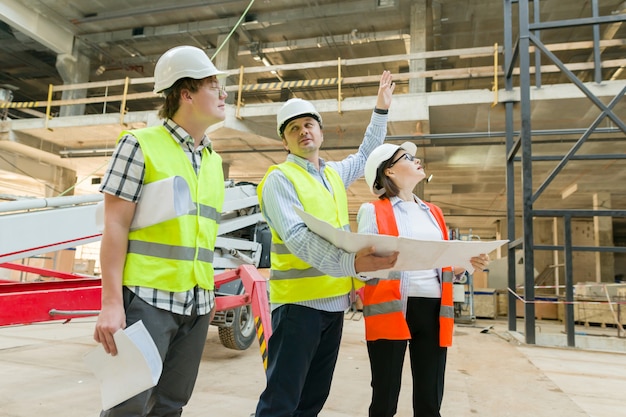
382 302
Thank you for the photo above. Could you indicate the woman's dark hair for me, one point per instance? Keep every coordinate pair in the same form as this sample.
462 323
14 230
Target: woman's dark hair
382 180
172 94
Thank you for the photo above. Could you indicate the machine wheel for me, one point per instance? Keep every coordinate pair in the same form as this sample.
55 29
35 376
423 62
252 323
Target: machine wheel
240 335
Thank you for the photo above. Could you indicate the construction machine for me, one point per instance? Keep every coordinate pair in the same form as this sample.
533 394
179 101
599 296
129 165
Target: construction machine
32 227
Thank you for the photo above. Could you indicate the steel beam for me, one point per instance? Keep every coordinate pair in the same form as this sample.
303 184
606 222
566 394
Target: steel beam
41 29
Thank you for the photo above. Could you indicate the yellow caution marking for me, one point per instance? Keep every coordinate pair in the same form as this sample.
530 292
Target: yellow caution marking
261 338
290 84
22 105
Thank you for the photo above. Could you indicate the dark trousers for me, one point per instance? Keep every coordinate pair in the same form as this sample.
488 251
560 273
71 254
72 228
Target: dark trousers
302 353
428 363
180 341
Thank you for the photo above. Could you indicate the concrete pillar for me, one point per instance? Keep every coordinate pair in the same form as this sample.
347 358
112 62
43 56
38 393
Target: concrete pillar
583 262
74 69
418 44
226 58
499 237
603 236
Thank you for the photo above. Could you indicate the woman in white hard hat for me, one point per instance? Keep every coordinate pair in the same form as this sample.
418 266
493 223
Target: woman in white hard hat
410 306
150 274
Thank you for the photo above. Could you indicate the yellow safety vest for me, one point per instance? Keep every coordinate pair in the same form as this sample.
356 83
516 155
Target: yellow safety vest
291 278
177 254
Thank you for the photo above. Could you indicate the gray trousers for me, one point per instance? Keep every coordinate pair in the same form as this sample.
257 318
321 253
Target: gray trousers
180 341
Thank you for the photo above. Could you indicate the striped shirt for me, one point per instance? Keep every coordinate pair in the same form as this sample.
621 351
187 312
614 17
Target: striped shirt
124 179
279 195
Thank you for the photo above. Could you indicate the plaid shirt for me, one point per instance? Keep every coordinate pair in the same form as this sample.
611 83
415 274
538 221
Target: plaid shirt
124 179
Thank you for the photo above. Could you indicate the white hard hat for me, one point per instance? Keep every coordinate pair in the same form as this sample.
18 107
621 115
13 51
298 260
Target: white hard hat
378 157
293 109
180 62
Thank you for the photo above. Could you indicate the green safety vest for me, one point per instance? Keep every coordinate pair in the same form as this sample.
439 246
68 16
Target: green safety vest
177 254
291 278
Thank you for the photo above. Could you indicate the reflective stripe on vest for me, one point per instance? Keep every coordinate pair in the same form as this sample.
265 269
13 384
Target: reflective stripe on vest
291 278
181 247
382 302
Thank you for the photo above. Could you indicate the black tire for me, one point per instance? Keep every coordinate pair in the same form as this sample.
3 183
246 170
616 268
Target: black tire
241 334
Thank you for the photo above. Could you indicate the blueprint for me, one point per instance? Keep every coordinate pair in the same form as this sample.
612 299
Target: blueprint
413 255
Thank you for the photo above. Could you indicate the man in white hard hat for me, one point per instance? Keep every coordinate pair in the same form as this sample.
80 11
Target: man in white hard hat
311 279
163 274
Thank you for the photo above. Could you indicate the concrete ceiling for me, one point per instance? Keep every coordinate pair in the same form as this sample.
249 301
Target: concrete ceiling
458 130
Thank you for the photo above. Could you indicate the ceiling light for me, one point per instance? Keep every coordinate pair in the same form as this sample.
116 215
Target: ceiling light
6 96
85 153
386 3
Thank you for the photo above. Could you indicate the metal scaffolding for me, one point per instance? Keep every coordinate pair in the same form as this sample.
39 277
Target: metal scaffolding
519 148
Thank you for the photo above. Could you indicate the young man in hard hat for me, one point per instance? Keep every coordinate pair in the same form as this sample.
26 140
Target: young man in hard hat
310 279
162 274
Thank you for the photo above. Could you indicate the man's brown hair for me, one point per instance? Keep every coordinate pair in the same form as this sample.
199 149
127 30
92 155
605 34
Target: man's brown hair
172 94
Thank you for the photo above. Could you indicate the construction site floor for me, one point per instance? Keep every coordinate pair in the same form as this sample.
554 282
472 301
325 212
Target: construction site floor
490 373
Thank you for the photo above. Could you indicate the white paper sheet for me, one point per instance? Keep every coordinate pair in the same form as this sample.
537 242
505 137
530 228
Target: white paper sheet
160 201
413 254
136 367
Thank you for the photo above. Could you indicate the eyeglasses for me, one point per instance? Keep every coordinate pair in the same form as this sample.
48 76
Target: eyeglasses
406 156
221 89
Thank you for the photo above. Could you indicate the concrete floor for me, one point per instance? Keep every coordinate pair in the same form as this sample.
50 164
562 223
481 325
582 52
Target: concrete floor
489 374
